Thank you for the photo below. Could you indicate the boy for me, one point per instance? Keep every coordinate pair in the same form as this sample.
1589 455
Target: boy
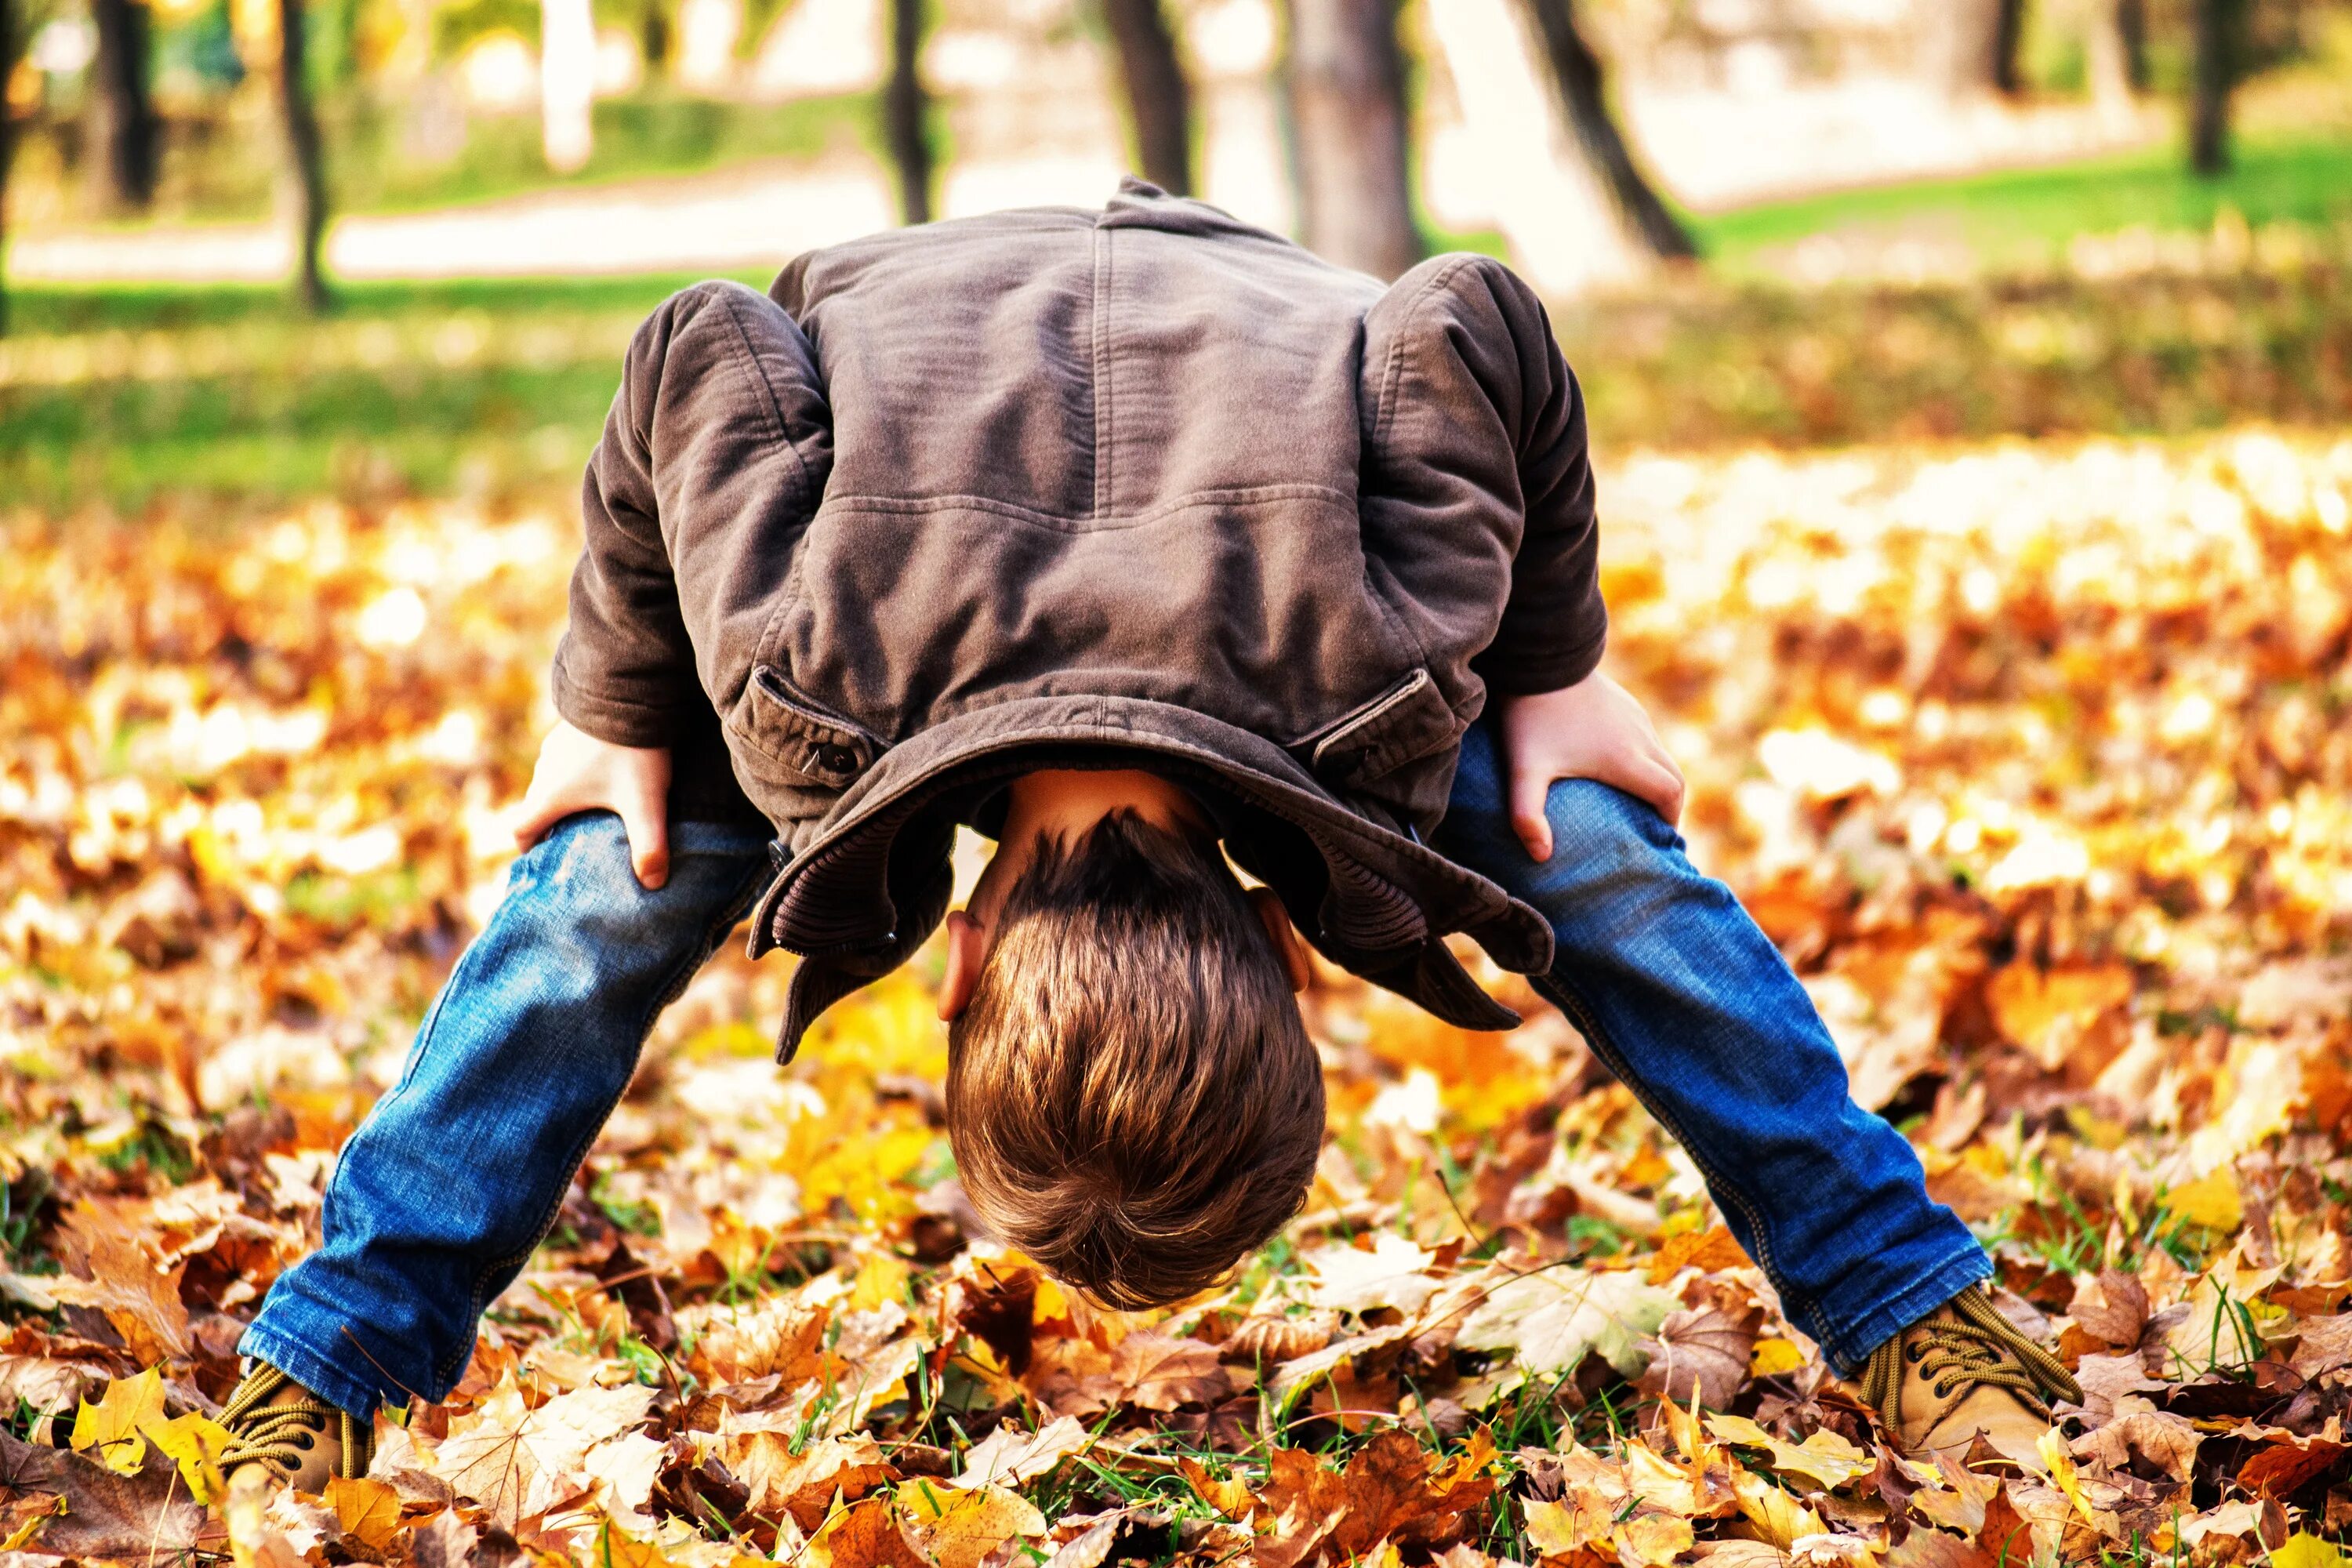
1134 540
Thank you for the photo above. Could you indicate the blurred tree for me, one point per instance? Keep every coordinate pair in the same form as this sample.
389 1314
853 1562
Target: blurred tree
1576 75
305 157
2008 39
2131 33
1343 83
2219 51
1960 45
906 112
1158 98
2115 51
123 124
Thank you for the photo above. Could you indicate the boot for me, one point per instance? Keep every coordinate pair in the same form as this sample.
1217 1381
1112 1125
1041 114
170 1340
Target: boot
291 1434
1962 1371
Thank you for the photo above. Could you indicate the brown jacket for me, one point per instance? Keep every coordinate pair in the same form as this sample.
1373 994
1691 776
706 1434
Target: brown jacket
954 501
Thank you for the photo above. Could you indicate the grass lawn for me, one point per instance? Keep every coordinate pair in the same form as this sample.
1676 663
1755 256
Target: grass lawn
2026 216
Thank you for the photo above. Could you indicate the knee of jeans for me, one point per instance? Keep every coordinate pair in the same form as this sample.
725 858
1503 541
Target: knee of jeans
1601 826
578 886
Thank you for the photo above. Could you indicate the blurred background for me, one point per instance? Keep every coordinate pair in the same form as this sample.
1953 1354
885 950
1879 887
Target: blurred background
272 247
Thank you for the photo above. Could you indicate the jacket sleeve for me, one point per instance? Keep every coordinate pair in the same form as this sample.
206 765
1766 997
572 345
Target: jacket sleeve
1478 456
719 396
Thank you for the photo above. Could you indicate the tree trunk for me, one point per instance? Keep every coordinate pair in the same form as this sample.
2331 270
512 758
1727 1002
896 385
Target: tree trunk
2107 56
2131 31
1584 100
305 175
2220 27
906 112
123 129
2007 38
1159 99
12 28
1958 43
1343 78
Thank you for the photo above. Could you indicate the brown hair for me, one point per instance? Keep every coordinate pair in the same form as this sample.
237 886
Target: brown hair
1132 1094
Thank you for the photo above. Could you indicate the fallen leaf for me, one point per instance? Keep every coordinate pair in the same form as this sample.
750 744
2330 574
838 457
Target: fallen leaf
367 1511
1703 1352
1010 1458
109 1514
960 1525
112 1431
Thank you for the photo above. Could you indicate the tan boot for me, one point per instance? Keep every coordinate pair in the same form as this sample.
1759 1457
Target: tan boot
291 1434
1964 1371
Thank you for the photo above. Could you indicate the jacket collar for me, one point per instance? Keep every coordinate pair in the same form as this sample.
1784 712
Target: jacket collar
866 892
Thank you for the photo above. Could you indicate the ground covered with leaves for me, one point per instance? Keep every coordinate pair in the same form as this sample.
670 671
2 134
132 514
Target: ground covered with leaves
2033 758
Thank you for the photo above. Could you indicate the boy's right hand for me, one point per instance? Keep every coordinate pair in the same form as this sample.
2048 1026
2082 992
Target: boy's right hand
576 772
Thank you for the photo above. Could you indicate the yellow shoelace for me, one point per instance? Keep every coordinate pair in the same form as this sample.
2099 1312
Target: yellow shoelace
1980 1349
282 1436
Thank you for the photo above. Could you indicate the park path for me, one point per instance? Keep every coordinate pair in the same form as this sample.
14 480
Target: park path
736 220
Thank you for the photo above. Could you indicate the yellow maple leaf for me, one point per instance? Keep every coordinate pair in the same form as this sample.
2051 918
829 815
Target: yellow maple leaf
960 1525
110 1431
2304 1549
1778 1519
194 1442
369 1512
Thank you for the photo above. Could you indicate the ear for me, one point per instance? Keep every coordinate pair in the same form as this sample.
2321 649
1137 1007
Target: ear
1284 936
967 951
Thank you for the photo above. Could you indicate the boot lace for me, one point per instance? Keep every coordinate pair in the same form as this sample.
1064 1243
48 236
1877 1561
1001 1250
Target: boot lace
1976 1348
282 1435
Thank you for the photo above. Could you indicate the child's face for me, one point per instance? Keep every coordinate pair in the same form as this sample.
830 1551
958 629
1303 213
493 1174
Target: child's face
1064 804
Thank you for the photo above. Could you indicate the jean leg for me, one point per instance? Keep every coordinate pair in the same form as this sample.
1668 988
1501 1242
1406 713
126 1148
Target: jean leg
1691 1005
452 1181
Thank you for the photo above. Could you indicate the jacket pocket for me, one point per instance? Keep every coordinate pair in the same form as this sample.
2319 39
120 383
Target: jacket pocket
793 742
1410 720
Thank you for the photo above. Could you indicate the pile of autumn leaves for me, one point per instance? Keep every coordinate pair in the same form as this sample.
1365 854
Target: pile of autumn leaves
2032 759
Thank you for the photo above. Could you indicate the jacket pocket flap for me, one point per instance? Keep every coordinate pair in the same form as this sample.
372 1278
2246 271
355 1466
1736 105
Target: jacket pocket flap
823 749
1403 724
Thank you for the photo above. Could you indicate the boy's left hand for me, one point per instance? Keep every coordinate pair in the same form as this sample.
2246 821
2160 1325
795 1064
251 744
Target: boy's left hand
1593 729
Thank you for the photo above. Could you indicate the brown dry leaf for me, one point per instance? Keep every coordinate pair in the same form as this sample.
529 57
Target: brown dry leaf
960 1525
2111 1307
2144 1437
1703 1351
1159 1371
519 1462
2286 1463
1010 1458
1934 1548
2323 1345
117 1277
805 1484
866 1534
108 1515
1266 1339
1390 1490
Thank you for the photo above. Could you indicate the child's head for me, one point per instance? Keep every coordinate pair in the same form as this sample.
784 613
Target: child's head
1132 1094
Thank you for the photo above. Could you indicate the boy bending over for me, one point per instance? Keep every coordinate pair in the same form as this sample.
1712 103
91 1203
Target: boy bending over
1134 540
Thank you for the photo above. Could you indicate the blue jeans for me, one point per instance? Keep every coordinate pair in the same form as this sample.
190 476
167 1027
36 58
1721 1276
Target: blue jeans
442 1195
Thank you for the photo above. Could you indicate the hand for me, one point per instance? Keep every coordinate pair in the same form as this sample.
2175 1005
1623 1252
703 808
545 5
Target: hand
576 771
1593 729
